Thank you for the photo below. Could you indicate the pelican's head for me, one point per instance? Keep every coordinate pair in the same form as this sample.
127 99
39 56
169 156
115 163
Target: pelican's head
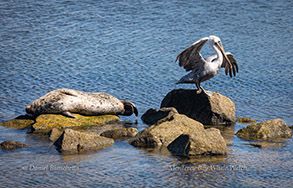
213 40
215 43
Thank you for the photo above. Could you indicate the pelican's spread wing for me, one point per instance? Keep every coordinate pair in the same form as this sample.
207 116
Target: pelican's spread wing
233 62
191 58
225 63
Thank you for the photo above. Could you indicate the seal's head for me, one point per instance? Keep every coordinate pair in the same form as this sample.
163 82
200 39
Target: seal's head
129 109
28 109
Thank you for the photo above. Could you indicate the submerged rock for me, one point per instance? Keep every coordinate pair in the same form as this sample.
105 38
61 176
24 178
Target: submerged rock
206 142
267 130
209 110
120 133
46 122
152 116
10 145
72 141
20 122
245 120
265 144
165 132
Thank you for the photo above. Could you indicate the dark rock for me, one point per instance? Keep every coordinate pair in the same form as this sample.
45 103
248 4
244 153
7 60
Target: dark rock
152 116
267 130
166 131
120 133
205 142
72 141
209 110
10 145
245 120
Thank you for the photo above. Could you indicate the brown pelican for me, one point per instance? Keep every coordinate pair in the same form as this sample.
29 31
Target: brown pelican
203 69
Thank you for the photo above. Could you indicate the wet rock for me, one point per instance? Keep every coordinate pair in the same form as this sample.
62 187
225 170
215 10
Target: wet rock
72 141
166 131
46 122
20 122
267 130
54 134
265 144
10 145
206 142
152 116
209 110
245 120
120 133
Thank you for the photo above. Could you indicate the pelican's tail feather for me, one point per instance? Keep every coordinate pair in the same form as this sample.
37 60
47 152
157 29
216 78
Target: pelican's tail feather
188 78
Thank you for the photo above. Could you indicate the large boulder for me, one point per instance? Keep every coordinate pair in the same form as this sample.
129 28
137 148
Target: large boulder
19 122
166 131
209 110
72 141
10 145
267 130
46 122
152 116
207 142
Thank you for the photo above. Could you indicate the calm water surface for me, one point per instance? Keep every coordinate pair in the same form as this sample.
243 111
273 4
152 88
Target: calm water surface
128 49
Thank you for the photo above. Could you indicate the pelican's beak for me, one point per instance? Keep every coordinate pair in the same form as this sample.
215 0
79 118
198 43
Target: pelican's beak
225 56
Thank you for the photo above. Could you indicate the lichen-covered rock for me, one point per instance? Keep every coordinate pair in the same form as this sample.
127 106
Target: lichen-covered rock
152 116
209 110
10 145
245 120
267 130
120 133
72 141
165 132
20 122
206 142
46 122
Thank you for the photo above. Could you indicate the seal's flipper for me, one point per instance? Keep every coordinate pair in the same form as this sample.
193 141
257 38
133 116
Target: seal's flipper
69 92
68 114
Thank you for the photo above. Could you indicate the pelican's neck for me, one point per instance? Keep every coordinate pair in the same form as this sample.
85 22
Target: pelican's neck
219 54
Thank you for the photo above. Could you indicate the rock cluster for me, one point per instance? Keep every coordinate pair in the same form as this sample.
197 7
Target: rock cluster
178 126
73 135
182 135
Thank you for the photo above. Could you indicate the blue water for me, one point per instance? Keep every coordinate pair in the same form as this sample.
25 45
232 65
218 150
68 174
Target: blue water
128 49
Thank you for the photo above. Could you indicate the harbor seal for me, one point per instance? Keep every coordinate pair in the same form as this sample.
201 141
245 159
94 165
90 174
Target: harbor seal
68 101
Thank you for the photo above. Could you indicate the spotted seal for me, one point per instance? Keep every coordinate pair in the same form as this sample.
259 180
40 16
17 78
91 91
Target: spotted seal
68 101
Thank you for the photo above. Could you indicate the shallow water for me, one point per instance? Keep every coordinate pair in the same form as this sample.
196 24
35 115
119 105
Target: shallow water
128 49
